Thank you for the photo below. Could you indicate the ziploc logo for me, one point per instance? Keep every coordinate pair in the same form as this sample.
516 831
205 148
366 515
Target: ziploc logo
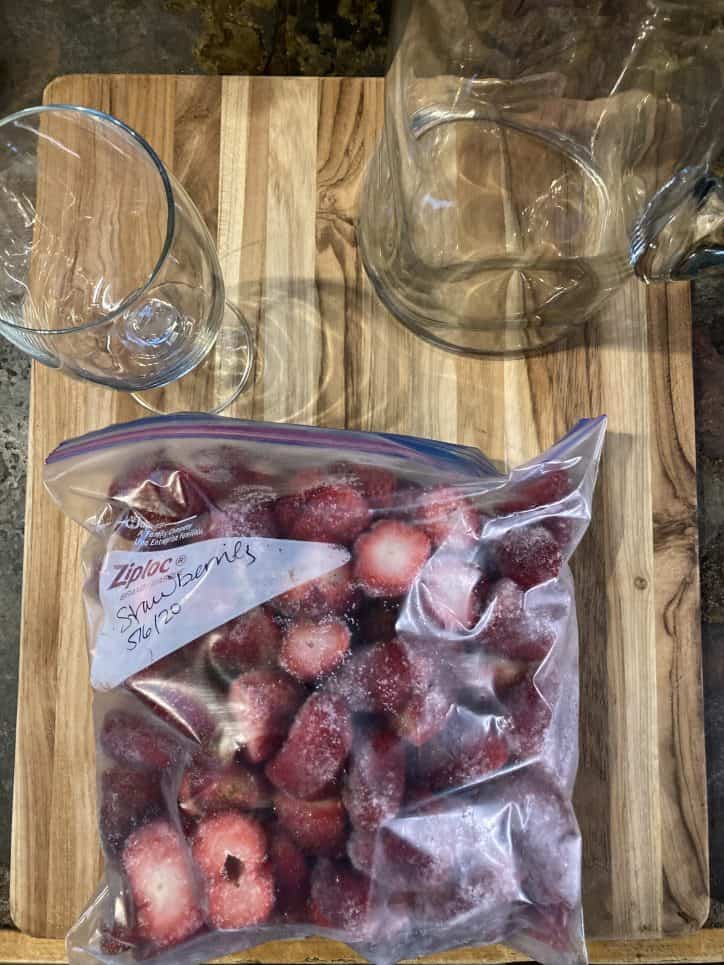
128 573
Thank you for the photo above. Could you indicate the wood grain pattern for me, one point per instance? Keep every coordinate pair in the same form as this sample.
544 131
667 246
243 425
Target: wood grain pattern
276 165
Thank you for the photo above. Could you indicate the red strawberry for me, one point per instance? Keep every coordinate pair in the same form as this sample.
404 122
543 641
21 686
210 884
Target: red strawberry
413 853
224 839
331 593
221 469
513 627
378 621
206 789
133 741
317 827
469 749
322 510
393 676
243 643
354 681
189 706
263 703
530 718
340 898
315 749
447 518
561 528
291 875
156 494
160 875
361 850
541 490
529 555
448 592
375 782
244 511
376 485
243 898
311 649
128 799
427 709
388 557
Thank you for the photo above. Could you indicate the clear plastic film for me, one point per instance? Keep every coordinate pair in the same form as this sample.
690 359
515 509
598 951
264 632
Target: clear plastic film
335 689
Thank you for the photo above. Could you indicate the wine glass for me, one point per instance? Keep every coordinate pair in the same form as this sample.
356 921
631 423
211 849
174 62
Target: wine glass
107 270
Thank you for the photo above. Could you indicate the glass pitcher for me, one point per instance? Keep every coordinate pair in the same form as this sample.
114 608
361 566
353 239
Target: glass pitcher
535 153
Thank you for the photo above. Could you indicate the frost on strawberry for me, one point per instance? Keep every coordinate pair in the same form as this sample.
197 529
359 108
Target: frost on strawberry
448 518
529 555
514 626
162 884
447 591
316 747
340 898
332 593
262 704
322 509
312 648
133 741
317 827
375 781
470 748
128 800
242 644
388 557
246 510
187 705
206 789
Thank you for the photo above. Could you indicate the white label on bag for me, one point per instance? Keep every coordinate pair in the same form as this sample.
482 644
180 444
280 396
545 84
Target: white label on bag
153 603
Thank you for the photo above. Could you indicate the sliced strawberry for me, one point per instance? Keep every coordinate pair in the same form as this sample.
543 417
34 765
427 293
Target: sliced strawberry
312 648
529 555
318 827
128 799
263 703
243 643
541 490
469 749
378 621
323 510
291 875
530 718
161 878
315 749
227 838
375 781
245 897
448 592
246 510
377 485
427 709
207 789
330 593
447 517
389 556
188 705
133 741
340 898
513 627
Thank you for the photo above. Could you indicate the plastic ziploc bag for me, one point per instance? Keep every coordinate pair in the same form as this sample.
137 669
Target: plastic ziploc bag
336 689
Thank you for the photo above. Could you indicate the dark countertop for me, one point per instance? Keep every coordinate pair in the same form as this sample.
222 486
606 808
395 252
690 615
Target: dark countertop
40 40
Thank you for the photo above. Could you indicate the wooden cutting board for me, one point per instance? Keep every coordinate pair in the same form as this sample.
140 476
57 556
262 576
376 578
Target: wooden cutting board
276 165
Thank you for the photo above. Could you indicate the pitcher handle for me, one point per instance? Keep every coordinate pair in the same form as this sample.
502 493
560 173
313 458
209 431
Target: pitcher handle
682 231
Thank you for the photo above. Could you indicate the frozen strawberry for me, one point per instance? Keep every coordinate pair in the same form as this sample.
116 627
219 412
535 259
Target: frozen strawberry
221 469
361 850
330 593
447 588
247 641
542 490
469 749
529 555
315 749
513 627
161 878
413 853
354 681
227 838
561 528
447 518
377 485
244 511
322 509
340 898
291 875
426 711
530 717
206 789
551 925
133 741
263 703
394 678
318 827
312 648
128 799
375 781
389 556
378 621
189 706
243 897
156 494
484 677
